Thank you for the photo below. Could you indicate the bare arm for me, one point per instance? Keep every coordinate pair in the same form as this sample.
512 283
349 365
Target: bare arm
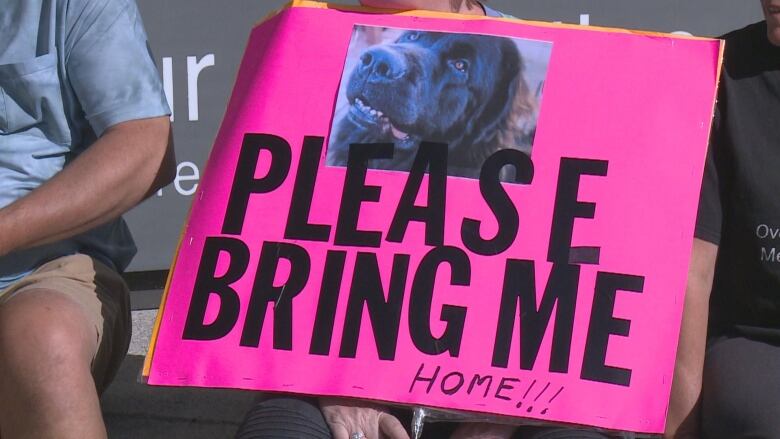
125 165
683 418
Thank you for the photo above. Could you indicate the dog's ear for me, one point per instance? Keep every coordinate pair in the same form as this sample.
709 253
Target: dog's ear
519 124
510 99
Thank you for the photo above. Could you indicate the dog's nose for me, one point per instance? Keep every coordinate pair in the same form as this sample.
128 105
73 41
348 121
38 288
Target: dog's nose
381 64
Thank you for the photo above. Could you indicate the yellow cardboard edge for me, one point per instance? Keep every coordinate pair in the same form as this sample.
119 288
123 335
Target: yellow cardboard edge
721 55
438 14
160 311
709 134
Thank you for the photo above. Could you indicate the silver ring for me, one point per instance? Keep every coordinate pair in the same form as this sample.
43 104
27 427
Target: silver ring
357 435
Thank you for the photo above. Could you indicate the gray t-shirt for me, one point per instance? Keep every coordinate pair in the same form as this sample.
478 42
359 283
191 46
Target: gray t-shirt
69 69
490 12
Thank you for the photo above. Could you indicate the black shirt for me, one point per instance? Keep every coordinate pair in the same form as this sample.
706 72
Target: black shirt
740 202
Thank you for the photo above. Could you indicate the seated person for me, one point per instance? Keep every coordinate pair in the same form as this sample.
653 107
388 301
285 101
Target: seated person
725 380
84 136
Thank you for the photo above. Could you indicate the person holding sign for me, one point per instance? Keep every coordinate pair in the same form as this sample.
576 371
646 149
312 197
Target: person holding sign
84 136
347 419
735 271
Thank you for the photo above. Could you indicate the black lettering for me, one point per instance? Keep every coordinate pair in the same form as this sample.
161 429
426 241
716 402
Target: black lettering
431 156
504 386
385 314
322 334
422 298
264 292
479 381
298 226
560 294
567 208
460 380
499 203
244 182
356 192
207 283
420 378
603 324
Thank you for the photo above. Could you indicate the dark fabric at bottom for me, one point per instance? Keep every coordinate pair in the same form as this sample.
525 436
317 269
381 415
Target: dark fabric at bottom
559 433
300 418
741 390
284 418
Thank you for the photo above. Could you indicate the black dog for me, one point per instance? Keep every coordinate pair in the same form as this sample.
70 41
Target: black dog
464 90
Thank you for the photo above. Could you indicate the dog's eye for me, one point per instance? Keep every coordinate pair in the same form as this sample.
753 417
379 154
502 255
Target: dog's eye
413 36
460 65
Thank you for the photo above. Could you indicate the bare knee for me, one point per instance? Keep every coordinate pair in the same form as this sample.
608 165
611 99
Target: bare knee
44 335
46 386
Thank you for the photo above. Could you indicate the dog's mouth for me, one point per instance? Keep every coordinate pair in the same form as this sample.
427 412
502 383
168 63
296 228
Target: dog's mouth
367 113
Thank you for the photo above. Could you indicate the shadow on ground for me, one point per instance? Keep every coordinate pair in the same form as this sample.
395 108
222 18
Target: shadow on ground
133 410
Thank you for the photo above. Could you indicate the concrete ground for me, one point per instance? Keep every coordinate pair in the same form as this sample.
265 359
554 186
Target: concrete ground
133 410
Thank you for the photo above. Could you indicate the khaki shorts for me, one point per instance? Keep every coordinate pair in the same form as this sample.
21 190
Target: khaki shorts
100 292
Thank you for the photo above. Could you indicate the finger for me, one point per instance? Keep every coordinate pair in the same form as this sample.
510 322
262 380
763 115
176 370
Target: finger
368 424
391 427
339 431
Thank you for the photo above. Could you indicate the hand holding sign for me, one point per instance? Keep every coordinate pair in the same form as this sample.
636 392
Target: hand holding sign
346 417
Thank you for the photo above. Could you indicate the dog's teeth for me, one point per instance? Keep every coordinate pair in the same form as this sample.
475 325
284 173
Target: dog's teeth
365 108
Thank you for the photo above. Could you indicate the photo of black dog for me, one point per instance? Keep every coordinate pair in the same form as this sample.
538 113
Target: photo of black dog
465 90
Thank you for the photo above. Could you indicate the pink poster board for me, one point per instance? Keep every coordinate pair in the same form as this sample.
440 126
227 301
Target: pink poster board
541 280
